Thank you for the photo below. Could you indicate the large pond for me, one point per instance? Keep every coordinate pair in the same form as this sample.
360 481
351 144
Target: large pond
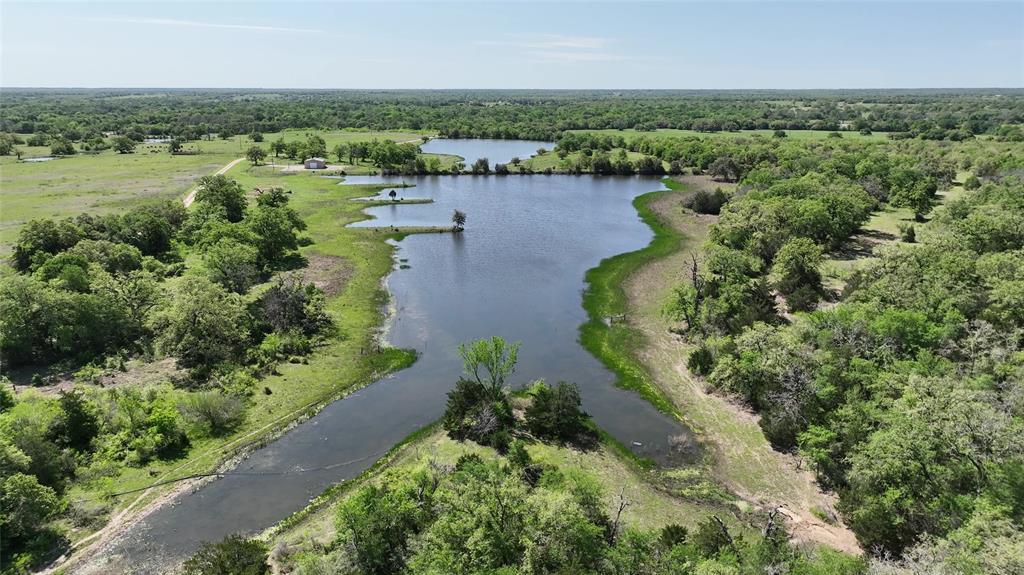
517 271
497 151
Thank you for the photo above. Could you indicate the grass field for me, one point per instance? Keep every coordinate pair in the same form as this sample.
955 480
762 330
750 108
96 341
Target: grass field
883 228
794 134
108 181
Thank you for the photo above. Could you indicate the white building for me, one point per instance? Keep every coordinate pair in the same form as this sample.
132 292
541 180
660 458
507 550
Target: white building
315 164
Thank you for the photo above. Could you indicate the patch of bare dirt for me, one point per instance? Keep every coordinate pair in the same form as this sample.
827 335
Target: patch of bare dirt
133 372
705 183
329 273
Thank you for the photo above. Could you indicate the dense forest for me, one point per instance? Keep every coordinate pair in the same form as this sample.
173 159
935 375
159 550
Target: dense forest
541 115
905 395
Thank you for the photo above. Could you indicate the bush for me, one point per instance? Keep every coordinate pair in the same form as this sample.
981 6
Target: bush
293 306
234 555
473 413
907 233
701 361
215 413
555 412
704 202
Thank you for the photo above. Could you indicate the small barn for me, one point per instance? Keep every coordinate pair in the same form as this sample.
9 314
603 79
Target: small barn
315 164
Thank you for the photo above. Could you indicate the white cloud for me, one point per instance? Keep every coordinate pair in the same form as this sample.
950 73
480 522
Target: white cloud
201 24
570 57
549 42
559 48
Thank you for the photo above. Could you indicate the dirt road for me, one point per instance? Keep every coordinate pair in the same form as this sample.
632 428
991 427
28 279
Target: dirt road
191 197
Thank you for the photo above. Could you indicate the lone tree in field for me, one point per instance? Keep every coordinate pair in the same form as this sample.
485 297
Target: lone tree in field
459 219
393 194
174 146
256 155
124 145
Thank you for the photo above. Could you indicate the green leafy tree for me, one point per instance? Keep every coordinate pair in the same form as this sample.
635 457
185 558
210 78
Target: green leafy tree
379 522
459 220
555 412
124 145
316 147
256 155
232 264
275 231
62 147
77 423
26 505
490 362
225 193
278 147
340 151
41 238
795 273
202 325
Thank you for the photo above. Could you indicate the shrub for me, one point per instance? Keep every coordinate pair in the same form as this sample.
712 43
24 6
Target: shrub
233 555
704 202
907 233
474 413
215 413
701 361
555 412
293 306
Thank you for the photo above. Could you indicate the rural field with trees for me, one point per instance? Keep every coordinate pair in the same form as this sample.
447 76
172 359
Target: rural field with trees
527 328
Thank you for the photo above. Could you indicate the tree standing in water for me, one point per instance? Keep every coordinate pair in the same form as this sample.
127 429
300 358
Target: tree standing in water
459 219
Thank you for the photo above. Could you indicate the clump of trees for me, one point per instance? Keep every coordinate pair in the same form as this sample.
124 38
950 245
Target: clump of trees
479 407
511 514
905 397
91 291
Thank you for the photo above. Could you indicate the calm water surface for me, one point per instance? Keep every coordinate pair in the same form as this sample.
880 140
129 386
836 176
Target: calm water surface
497 151
517 271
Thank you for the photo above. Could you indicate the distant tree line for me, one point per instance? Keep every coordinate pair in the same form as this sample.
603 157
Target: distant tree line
81 115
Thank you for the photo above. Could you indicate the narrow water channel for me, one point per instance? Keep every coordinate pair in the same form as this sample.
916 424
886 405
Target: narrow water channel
517 271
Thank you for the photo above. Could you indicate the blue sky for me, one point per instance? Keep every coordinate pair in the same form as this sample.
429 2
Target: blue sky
688 45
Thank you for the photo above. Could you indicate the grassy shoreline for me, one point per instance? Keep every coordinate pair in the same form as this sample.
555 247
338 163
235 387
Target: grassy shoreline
613 343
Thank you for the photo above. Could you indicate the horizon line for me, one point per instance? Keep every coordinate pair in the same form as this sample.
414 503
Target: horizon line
507 89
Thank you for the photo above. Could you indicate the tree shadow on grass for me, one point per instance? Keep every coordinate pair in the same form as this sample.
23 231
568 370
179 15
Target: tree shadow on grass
862 245
291 262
